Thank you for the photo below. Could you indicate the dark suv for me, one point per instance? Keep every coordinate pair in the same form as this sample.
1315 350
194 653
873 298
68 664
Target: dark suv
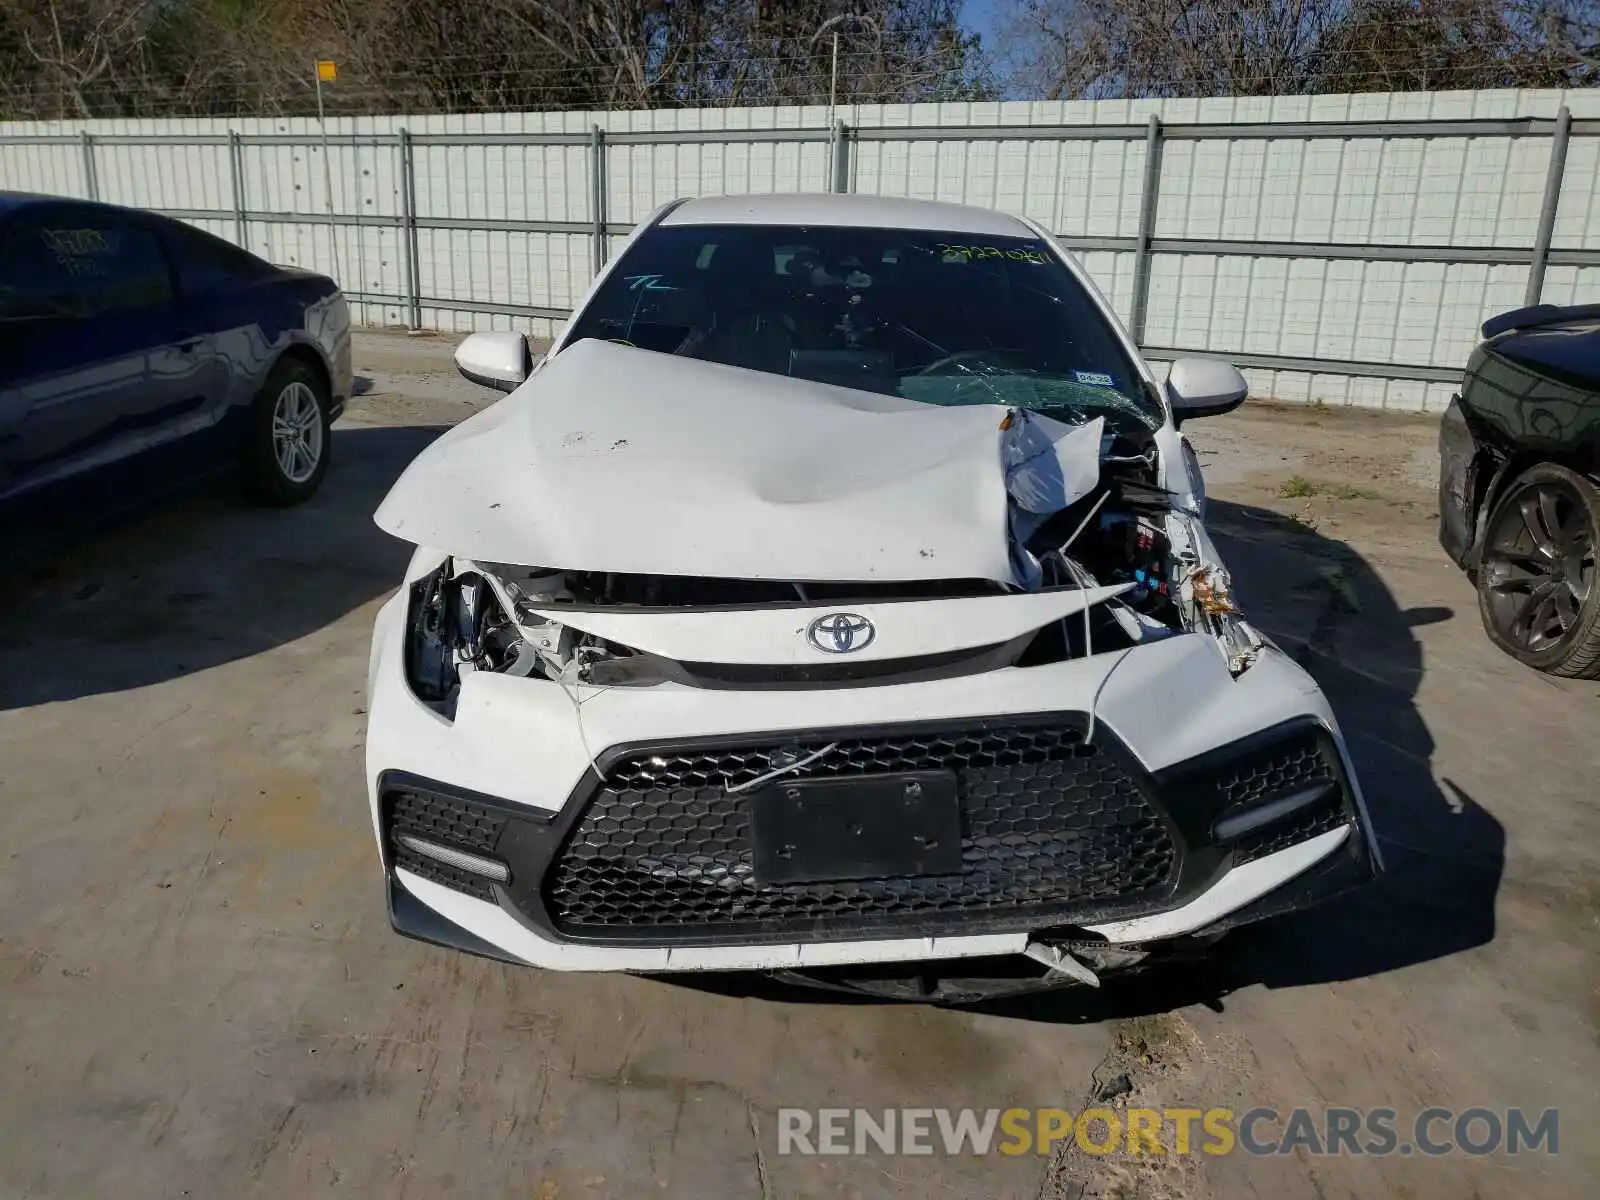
1519 457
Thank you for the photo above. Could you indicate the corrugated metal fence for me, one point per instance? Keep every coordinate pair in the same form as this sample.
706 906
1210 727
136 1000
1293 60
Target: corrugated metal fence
1340 248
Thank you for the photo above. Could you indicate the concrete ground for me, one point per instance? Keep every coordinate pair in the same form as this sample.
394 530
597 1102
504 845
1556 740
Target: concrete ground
201 995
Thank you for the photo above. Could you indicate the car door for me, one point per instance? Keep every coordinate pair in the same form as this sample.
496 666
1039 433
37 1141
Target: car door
229 300
41 362
100 364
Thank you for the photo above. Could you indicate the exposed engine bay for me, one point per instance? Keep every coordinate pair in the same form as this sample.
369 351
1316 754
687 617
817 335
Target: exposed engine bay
1142 562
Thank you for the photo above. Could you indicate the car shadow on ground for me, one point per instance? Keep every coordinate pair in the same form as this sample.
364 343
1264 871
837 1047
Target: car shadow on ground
200 579
1443 853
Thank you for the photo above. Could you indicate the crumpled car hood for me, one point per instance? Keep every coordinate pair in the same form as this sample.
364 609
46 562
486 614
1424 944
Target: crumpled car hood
623 460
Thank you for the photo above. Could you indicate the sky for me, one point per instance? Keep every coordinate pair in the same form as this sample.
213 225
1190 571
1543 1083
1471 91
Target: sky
980 16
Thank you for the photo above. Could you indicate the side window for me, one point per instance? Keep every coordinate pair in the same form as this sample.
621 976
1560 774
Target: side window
35 282
72 266
207 264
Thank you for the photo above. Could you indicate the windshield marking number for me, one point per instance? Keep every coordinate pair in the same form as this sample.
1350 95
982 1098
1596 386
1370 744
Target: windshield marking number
970 253
647 283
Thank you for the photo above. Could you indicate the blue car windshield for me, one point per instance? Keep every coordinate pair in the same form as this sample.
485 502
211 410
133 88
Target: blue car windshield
942 318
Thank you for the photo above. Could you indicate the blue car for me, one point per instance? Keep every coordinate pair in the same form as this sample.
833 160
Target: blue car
138 353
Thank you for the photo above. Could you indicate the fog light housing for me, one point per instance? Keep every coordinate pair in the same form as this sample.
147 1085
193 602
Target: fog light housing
489 868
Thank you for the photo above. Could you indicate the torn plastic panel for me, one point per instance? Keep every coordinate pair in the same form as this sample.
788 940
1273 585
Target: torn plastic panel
1049 467
485 616
1102 557
1205 596
1143 535
1129 571
1128 583
459 621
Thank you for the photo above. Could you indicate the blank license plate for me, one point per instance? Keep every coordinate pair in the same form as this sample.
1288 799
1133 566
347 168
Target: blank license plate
863 827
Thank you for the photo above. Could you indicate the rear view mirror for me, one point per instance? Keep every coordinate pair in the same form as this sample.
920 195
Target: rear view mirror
496 360
1204 387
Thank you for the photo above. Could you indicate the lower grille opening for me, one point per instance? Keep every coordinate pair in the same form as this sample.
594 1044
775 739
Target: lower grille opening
1051 829
1302 826
410 817
1305 760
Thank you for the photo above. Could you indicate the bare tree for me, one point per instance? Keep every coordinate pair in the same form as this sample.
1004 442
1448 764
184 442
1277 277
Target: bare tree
1564 35
1113 48
77 48
143 57
651 53
1429 45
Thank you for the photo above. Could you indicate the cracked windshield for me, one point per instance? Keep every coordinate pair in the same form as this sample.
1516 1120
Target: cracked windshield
940 318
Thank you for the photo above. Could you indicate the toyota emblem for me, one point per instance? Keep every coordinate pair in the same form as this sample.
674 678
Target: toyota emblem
840 633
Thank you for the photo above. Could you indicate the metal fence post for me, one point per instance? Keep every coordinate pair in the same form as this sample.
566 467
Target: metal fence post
1148 195
236 182
597 196
91 182
841 157
1552 200
408 231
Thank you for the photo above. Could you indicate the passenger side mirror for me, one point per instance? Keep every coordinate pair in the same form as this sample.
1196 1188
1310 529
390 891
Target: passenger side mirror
496 360
1204 387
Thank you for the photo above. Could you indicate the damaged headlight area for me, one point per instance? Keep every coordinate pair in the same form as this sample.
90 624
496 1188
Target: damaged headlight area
1130 533
459 622
467 616
1141 562
1206 600
1150 568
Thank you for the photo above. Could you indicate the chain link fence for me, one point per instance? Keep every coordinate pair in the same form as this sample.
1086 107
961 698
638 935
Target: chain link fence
1340 249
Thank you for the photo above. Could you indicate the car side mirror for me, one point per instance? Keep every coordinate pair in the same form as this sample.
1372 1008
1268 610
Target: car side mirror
501 361
1204 387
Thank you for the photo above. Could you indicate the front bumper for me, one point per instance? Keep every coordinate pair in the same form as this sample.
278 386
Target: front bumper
511 776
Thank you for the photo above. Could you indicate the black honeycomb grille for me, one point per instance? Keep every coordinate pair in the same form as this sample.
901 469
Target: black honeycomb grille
1291 831
1304 761
1284 767
1048 824
450 821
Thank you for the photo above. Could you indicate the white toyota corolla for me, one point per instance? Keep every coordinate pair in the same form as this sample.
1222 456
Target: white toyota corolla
833 599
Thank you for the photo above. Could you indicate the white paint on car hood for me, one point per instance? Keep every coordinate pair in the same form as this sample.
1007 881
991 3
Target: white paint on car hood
617 459
776 634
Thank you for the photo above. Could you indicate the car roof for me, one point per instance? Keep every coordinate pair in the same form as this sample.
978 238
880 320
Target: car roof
14 202
875 212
